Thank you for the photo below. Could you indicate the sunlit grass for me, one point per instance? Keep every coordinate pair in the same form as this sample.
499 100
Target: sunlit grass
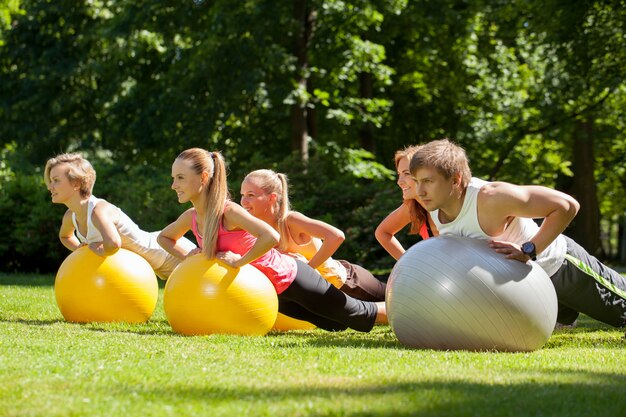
49 367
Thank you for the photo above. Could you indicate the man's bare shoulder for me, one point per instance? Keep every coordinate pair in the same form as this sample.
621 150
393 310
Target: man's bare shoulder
499 195
497 188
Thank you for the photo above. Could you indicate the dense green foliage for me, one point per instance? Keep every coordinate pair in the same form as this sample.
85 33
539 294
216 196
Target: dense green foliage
534 89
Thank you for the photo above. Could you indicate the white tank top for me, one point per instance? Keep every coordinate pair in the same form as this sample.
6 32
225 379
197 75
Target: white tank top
133 238
520 230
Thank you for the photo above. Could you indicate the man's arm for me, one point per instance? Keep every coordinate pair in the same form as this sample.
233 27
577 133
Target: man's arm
499 201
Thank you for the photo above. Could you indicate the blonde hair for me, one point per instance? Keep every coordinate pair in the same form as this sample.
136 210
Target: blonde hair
79 171
273 182
417 213
216 192
448 158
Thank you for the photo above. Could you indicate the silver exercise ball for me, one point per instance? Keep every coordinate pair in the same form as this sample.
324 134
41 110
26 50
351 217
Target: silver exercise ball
452 293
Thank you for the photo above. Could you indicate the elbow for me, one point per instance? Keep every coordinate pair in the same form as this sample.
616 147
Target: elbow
380 234
161 240
572 207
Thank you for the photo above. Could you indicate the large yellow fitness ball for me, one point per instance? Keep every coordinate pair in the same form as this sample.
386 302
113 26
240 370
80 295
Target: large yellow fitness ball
206 297
119 288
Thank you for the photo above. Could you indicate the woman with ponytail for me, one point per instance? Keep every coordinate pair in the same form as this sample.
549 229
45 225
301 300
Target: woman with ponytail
410 212
226 231
265 195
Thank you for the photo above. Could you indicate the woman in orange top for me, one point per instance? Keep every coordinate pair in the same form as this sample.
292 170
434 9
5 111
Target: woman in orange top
410 212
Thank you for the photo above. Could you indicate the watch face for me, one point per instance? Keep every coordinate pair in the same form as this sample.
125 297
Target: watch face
528 248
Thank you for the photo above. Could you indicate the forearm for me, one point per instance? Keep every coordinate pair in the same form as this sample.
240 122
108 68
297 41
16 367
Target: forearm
261 247
391 244
70 242
327 249
552 226
171 246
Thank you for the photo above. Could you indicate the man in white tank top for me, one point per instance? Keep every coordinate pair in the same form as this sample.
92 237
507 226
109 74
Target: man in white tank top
504 213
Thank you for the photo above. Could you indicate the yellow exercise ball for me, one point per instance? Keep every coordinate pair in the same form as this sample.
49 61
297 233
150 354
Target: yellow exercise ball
117 288
204 297
286 323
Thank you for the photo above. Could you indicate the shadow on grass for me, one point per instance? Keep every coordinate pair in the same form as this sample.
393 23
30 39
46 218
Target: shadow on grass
160 327
589 394
28 322
349 339
589 334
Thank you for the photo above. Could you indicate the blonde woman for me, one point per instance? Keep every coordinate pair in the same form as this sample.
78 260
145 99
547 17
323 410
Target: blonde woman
265 195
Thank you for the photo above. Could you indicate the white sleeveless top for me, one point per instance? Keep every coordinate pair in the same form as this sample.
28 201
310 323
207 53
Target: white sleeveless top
520 230
133 238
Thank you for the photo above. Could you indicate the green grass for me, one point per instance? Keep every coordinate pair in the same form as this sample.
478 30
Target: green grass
49 367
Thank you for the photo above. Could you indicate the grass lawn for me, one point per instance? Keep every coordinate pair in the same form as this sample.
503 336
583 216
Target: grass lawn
49 367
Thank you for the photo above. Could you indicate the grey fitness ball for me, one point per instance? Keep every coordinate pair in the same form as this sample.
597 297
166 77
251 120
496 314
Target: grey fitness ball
456 293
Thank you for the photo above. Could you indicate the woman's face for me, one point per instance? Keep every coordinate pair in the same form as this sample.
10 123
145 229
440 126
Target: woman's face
60 187
186 182
255 200
405 181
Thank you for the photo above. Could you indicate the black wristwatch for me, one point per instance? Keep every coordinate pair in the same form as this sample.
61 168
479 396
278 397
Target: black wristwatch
528 248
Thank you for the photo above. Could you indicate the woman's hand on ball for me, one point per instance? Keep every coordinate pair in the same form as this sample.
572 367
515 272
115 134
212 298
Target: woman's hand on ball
97 248
229 258
192 252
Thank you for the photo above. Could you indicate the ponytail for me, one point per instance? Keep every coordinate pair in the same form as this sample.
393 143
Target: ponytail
282 211
216 197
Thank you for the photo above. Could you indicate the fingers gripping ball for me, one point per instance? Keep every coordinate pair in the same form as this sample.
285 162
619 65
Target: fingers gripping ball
206 297
458 293
119 288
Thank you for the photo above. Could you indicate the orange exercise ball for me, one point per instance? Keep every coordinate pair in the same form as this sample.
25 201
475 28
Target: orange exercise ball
286 323
204 297
117 288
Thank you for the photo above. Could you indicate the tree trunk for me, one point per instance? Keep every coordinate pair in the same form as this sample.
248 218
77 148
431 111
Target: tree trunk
585 228
621 241
299 125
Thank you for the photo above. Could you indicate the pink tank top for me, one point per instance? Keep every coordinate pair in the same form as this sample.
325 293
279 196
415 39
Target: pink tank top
280 269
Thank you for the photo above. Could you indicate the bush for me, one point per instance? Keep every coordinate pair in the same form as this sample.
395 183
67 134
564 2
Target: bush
29 226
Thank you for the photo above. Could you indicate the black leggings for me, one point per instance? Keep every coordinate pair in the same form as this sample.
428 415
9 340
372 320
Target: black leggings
311 298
